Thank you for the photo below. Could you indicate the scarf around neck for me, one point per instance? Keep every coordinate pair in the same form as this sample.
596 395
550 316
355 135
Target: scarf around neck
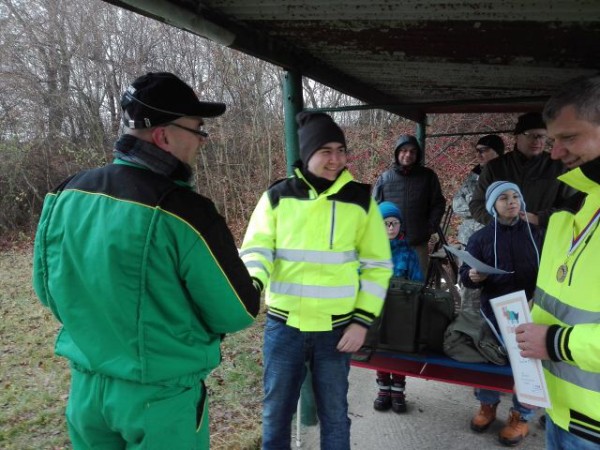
134 150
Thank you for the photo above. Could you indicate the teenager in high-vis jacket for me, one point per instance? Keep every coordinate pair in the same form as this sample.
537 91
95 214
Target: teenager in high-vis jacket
316 243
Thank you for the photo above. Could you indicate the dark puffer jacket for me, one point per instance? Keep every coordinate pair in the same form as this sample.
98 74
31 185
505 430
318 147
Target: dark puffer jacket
515 253
417 192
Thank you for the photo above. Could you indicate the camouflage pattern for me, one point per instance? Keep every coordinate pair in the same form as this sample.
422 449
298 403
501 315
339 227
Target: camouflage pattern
460 206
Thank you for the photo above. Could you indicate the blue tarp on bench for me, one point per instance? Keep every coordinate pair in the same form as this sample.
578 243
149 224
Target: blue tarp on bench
438 367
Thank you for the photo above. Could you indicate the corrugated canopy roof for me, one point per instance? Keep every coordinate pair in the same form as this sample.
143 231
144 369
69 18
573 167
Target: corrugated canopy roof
416 56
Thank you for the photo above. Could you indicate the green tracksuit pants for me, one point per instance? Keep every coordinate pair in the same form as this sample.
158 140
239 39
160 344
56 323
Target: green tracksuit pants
106 413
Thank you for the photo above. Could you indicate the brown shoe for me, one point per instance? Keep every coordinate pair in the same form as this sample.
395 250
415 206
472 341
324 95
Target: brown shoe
514 431
484 417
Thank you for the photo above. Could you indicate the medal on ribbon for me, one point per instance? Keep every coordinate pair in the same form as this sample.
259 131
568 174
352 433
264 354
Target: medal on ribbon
584 236
561 273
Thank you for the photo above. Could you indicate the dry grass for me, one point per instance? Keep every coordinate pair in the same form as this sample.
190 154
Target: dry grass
34 383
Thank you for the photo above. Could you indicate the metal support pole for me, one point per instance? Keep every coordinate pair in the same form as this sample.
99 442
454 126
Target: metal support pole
421 134
292 105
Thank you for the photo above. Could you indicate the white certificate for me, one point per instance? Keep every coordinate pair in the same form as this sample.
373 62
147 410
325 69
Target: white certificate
512 310
473 262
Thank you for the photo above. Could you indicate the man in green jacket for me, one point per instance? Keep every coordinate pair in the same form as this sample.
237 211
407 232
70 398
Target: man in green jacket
565 334
145 278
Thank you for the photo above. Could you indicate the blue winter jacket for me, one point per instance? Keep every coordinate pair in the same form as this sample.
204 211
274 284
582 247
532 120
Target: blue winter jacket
515 253
405 260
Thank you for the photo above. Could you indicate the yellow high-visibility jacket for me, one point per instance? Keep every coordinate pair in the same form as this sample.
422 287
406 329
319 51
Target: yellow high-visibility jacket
570 304
324 258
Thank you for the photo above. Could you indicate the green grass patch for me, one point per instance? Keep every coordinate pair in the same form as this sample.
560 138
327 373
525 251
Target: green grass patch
34 384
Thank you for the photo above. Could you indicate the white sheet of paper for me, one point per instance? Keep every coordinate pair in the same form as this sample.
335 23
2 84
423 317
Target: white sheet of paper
530 385
473 262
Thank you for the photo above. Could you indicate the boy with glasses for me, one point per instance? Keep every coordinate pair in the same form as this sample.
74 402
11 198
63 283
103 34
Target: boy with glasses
406 265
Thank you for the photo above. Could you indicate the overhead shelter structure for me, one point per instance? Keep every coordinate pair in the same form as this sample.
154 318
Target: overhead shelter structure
409 57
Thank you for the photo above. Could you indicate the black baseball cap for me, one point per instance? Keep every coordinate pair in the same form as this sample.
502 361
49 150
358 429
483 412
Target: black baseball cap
161 97
529 121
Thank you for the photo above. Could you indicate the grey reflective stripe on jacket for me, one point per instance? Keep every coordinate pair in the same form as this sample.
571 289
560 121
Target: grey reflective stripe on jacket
567 314
372 264
570 316
316 256
573 374
373 288
302 290
264 252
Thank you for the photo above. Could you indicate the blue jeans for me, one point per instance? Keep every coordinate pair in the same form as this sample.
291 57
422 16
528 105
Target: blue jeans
286 352
559 439
488 397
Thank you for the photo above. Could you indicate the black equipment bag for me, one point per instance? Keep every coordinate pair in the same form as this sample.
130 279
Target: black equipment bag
414 318
436 313
396 327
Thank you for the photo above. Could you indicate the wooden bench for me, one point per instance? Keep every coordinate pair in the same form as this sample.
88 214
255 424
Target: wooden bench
438 367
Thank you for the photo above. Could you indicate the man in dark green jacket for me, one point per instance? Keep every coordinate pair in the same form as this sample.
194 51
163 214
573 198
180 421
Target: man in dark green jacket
530 167
145 278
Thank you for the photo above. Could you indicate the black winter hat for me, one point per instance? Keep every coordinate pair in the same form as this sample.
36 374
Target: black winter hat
529 121
314 130
157 98
492 141
407 139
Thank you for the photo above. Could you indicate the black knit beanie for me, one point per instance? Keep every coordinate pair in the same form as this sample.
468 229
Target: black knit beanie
492 141
314 130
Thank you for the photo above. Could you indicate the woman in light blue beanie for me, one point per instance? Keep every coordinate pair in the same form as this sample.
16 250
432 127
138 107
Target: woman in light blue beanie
512 244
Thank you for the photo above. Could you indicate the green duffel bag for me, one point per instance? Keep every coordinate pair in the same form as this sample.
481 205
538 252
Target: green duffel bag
470 339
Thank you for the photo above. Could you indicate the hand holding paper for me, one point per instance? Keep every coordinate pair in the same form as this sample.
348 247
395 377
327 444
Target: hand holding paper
477 277
473 262
532 340
511 312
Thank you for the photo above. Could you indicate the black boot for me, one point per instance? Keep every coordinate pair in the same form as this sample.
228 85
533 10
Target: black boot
398 399
383 402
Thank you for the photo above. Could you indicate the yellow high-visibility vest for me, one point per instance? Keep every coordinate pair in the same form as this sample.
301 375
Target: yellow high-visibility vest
568 295
324 258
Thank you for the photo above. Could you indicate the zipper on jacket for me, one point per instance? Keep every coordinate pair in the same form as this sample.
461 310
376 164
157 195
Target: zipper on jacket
332 225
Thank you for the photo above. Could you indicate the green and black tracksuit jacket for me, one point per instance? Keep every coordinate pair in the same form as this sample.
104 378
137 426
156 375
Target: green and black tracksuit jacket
143 274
